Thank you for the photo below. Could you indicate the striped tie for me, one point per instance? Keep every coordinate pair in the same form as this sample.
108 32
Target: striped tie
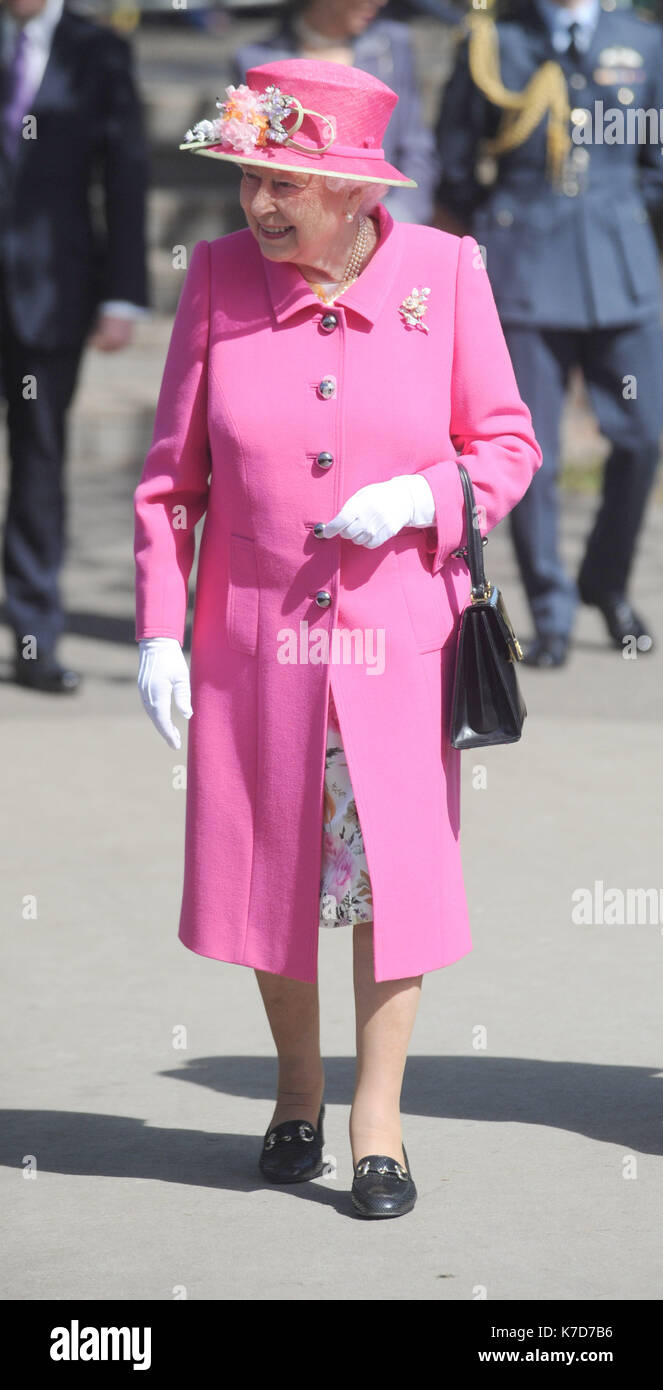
17 95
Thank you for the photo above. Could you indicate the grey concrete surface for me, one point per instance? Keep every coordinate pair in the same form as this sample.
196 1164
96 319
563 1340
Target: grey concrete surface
537 1156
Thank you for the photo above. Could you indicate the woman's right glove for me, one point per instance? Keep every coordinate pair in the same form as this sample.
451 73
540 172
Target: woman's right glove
163 672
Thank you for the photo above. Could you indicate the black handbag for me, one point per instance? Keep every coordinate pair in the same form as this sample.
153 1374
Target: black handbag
487 705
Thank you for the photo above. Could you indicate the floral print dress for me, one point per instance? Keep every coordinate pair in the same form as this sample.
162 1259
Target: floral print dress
345 886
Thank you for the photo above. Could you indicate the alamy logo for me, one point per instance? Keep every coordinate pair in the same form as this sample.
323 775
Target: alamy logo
361 646
610 907
75 1343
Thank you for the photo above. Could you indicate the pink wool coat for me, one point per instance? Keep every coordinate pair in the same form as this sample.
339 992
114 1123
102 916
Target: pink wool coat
239 426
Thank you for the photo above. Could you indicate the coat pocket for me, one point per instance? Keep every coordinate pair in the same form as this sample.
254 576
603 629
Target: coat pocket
637 245
243 595
508 261
425 594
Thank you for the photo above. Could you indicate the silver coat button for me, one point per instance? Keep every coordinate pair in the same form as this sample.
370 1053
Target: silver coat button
323 598
327 387
505 217
325 460
329 322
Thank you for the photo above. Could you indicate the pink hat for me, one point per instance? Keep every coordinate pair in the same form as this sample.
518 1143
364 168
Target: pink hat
303 113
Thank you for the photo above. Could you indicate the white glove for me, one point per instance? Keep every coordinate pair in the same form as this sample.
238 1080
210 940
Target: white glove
379 511
163 671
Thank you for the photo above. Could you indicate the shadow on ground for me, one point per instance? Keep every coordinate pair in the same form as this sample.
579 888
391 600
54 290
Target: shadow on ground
612 1104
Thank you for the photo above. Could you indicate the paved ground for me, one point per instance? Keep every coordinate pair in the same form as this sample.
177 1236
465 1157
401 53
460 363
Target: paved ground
522 1151
537 1156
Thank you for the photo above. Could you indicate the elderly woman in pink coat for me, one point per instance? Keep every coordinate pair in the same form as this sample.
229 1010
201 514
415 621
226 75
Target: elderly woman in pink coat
326 367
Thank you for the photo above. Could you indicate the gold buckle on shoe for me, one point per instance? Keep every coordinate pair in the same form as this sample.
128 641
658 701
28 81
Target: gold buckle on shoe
364 1166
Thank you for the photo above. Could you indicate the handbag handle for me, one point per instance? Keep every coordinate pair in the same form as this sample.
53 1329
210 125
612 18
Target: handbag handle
472 551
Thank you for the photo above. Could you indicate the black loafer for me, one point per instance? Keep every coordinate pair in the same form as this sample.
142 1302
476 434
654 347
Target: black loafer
548 649
622 622
46 674
292 1151
382 1186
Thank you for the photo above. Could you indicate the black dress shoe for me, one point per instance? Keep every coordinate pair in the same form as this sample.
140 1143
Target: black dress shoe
47 674
621 621
292 1151
382 1186
548 649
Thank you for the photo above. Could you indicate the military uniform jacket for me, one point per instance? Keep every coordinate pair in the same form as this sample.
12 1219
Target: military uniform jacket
582 255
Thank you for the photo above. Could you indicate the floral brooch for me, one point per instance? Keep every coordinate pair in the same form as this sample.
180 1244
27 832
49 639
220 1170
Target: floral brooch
248 119
414 307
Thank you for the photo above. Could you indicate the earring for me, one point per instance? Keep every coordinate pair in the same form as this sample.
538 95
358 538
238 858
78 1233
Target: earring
349 216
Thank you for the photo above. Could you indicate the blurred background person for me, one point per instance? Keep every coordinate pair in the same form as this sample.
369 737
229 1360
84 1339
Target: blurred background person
70 118
353 32
574 267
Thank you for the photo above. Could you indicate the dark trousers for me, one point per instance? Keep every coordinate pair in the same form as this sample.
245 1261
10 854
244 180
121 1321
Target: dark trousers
613 361
38 387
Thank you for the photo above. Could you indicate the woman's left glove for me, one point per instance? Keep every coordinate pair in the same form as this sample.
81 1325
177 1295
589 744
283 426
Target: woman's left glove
162 672
379 511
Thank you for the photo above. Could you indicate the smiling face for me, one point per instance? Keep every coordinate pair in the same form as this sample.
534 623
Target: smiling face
295 217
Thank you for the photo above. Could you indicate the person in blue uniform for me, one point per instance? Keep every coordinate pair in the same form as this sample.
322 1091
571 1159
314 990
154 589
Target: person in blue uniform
537 162
353 32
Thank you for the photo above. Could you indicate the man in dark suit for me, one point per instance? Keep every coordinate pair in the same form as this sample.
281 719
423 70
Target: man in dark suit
70 122
562 209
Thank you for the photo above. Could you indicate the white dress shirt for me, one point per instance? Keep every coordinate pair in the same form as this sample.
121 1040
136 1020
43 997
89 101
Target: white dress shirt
40 30
560 17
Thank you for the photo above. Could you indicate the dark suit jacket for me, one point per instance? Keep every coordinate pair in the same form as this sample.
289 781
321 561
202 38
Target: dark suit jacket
385 50
58 261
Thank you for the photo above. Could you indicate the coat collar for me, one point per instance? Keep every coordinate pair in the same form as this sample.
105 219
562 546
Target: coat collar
290 292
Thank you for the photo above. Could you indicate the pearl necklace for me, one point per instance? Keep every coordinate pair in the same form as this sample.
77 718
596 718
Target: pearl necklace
353 267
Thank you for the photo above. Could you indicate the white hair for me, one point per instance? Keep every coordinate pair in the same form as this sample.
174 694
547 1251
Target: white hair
374 192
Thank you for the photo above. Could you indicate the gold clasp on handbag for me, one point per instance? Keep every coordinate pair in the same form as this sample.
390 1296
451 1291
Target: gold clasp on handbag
482 598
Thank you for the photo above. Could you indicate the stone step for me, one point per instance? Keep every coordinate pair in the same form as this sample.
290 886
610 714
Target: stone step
168 206
176 219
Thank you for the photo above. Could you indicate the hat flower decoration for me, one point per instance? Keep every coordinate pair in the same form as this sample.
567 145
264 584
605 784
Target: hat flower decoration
249 119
